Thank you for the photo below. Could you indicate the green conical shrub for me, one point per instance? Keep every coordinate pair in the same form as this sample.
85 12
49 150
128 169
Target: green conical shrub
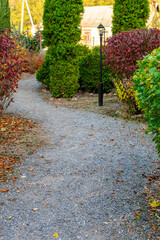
61 34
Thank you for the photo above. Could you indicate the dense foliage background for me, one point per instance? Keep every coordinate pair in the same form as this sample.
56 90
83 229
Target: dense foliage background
129 15
4 14
36 9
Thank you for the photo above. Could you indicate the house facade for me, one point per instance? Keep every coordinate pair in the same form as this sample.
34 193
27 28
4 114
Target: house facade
92 17
154 19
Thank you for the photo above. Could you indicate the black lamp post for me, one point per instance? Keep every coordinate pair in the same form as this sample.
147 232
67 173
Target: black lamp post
100 87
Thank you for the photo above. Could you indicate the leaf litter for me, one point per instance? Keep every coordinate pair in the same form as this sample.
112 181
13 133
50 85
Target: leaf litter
18 137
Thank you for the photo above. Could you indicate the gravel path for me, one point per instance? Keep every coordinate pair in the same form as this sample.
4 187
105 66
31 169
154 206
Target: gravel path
87 183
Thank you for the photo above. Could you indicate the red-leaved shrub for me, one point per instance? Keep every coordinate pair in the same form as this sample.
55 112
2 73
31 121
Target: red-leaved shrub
32 62
121 53
11 59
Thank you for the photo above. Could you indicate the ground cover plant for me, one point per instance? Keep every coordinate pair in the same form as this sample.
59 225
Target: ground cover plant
61 34
11 58
121 54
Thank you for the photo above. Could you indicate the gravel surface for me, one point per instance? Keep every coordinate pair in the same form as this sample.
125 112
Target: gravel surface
87 184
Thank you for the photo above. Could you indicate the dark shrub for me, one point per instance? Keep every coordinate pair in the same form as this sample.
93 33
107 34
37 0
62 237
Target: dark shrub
90 72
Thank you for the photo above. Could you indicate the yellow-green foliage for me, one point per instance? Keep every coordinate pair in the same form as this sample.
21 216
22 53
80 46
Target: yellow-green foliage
126 93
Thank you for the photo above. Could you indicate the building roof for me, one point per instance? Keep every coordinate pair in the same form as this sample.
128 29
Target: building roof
93 16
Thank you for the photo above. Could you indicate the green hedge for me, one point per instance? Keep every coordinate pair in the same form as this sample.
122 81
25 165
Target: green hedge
147 87
90 72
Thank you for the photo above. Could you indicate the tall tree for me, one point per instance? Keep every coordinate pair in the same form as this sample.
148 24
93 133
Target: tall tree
4 14
61 21
129 15
97 2
36 9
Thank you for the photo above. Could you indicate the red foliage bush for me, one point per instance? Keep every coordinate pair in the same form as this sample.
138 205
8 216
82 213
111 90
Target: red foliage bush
10 67
32 62
121 53
124 49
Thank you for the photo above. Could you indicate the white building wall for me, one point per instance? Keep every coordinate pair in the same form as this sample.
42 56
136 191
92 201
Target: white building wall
90 36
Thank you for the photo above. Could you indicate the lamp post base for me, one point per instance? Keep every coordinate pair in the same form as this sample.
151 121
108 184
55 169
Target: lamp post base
100 91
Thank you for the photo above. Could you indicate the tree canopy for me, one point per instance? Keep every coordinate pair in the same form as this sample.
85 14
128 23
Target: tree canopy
36 9
97 2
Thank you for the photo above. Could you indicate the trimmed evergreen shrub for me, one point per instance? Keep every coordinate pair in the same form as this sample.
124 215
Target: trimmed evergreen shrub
42 74
90 72
4 14
121 54
147 87
82 50
61 33
129 15
64 78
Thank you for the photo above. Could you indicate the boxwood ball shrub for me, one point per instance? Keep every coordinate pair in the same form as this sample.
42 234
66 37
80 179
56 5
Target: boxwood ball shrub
147 88
90 72
121 53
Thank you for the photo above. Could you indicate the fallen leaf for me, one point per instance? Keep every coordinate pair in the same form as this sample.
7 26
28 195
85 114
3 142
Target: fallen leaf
4 190
36 194
118 180
130 230
55 235
154 228
106 222
44 204
132 145
107 178
18 191
31 169
91 134
155 150
10 217
35 209
14 179
120 171
137 214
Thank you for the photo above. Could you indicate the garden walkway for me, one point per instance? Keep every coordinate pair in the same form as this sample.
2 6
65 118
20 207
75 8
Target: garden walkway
87 183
